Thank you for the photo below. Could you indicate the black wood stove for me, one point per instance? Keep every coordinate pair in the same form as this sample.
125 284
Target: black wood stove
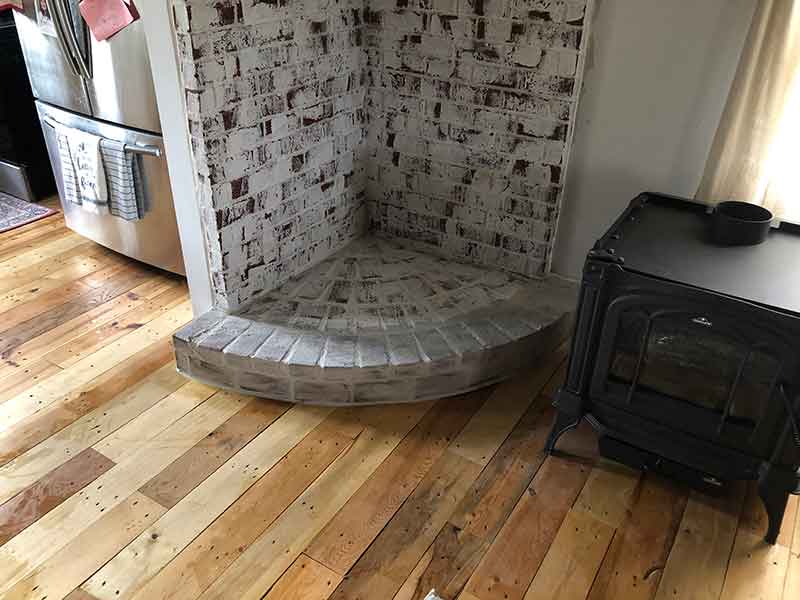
686 355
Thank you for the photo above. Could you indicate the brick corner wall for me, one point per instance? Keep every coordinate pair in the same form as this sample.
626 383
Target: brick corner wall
275 95
471 106
444 123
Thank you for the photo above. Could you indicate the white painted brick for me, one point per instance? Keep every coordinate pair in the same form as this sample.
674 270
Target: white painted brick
527 56
293 129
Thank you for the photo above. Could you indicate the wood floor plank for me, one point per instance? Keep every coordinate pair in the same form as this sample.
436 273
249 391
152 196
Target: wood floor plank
348 534
56 450
61 292
394 554
10 249
73 269
66 331
507 568
259 566
508 402
31 230
182 476
79 594
32 273
36 229
411 585
42 229
25 377
210 553
58 576
386 566
73 439
94 339
43 496
757 570
24 260
609 492
114 382
633 565
24 323
470 530
160 543
136 433
81 374
21 555
699 557
118 282
306 579
574 557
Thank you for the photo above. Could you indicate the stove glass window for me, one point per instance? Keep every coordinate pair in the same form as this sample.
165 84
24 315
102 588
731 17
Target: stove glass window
687 358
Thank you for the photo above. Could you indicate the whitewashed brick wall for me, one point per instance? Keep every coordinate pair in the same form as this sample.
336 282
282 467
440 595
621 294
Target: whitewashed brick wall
443 122
275 95
470 105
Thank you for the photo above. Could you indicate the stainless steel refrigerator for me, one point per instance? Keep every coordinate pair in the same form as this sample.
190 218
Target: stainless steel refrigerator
106 89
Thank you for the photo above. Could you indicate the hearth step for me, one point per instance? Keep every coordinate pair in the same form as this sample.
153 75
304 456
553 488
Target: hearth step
378 323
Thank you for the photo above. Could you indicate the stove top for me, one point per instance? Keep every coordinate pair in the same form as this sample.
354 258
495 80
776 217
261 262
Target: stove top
669 238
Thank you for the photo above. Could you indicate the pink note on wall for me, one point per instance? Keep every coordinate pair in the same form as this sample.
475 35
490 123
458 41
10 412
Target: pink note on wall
107 18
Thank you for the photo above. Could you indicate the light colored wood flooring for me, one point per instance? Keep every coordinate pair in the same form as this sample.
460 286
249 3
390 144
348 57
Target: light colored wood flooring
121 479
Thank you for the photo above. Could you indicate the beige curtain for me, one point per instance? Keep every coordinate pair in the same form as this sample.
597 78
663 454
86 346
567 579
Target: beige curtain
755 156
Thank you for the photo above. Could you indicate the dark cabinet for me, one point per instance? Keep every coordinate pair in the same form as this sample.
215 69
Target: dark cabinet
21 139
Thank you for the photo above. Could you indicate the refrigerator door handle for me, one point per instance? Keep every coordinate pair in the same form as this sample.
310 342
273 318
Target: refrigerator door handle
61 36
147 150
70 39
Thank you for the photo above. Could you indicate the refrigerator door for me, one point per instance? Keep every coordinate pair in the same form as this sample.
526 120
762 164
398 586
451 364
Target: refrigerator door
117 71
52 69
121 89
152 239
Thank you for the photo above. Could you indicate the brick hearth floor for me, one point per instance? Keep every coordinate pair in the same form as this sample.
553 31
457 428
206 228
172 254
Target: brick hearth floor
378 322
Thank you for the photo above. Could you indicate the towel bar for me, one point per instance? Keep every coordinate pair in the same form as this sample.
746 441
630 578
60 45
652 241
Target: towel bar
149 150
132 148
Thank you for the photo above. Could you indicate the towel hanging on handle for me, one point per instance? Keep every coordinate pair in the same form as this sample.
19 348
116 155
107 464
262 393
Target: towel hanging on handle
126 197
121 178
82 168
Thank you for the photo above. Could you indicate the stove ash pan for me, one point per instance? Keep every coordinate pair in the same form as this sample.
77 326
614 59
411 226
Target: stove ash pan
698 384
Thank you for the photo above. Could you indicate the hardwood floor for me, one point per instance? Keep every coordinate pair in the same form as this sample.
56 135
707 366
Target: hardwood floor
121 479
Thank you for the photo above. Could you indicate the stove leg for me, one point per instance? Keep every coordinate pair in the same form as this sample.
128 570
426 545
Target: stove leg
561 425
775 498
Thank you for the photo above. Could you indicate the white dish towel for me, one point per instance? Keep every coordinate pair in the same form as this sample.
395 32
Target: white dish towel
82 163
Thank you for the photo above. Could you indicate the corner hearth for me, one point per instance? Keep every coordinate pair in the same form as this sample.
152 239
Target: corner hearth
378 323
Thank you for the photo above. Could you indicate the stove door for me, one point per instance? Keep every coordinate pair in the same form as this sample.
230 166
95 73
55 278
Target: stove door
701 363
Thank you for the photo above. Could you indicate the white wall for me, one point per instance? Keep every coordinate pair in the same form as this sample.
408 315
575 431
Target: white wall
657 77
157 19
